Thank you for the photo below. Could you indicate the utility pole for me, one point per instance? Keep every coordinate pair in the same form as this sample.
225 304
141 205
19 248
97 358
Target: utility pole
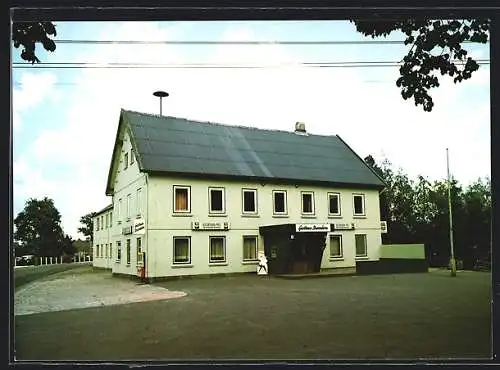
452 257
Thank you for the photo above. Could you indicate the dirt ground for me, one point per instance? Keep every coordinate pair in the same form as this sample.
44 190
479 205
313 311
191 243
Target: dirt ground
404 316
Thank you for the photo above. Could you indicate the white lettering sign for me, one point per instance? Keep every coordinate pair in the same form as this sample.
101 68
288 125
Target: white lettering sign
139 227
306 228
196 225
348 226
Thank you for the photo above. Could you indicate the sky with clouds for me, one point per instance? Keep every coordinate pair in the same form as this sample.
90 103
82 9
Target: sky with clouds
65 120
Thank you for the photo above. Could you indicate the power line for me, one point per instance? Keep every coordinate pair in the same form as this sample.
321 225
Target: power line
120 65
262 42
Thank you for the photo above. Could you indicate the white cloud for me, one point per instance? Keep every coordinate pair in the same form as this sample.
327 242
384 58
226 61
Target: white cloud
372 118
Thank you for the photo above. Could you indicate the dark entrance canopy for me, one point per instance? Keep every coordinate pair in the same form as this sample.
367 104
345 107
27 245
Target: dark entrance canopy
294 248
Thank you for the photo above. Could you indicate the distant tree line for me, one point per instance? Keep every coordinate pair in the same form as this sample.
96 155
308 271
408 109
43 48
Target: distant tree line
417 211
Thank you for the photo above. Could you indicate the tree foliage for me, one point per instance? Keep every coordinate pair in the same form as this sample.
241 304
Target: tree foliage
436 47
39 231
88 225
418 212
27 34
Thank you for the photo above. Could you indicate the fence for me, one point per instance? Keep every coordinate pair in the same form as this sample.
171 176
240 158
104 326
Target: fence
38 261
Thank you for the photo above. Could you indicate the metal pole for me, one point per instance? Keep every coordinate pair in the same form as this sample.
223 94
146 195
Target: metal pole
453 263
161 98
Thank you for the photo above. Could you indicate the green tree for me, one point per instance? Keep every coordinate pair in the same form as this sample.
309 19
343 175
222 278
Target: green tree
88 226
27 34
38 228
436 46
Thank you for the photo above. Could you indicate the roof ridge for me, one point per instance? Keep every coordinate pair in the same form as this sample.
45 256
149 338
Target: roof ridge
223 124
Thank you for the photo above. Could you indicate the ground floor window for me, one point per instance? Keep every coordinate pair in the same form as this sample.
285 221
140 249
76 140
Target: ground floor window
110 250
182 250
139 251
335 246
361 250
128 251
118 251
217 249
97 250
249 248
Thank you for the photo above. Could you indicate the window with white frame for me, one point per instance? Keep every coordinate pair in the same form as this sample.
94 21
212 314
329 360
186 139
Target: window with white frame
129 206
132 156
128 251
125 161
216 200
97 250
139 251
182 250
335 246
358 204
279 202
110 250
334 204
217 249
182 199
307 202
119 211
249 197
361 248
102 222
97 223
110 219
138 202
107 220
249 248
118 251
106 251
102 250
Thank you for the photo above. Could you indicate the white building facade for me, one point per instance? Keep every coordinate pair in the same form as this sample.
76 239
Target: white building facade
169 223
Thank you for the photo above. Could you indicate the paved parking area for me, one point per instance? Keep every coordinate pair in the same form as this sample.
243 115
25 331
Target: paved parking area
84 288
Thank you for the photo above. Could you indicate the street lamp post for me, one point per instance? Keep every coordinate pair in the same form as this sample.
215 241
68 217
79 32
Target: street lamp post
452 257
160 94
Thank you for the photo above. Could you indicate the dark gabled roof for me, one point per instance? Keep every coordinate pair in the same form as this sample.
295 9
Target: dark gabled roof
107 208
174 145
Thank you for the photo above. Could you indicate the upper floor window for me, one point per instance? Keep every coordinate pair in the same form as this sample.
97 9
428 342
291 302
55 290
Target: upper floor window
96 223
102 222
129 205
249 201
307 203
107 220
216 200
139 202
131 156
110 219
279 202
125 161
119 210
182 199
333 204
358 204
